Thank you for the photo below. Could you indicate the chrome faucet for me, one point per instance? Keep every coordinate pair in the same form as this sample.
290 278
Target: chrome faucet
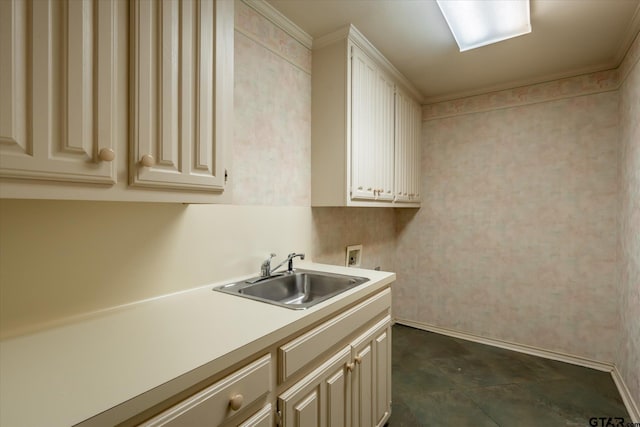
289 260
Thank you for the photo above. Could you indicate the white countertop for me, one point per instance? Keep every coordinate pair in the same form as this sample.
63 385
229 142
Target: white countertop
65 375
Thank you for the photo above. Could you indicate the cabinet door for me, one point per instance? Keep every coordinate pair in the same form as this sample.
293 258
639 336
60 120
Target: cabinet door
372 127
322 398
364 86
181 60
371 391
57 90
384 136
407 148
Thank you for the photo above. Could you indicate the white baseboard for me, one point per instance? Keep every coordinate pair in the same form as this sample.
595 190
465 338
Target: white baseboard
521 348
629 403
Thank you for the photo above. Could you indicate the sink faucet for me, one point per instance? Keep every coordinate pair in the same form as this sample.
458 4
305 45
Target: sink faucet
289 260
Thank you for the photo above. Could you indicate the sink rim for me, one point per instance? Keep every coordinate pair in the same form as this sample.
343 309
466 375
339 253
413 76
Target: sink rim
235 288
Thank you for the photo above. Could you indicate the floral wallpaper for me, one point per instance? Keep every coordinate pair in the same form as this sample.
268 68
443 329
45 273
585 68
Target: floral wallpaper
516 237
336 228
272 129
542 92
262 31
629 249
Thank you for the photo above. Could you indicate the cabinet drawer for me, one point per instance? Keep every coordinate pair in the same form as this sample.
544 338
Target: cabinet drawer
212 405
294 355
262 418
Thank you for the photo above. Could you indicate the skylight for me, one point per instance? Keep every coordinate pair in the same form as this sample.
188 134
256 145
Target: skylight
476 23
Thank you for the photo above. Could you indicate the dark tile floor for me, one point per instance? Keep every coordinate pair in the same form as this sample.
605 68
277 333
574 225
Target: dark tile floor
444 381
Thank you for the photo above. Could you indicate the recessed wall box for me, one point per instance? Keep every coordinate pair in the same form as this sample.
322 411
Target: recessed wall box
354 256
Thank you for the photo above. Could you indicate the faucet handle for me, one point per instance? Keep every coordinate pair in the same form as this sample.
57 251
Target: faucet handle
265 268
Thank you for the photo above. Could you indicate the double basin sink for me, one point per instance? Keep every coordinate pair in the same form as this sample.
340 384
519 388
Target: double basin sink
298 289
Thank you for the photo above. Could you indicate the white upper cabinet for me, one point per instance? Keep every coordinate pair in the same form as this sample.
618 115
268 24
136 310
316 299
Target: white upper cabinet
407 148
364 145
57 90
372 126
116 100
363 114
173 94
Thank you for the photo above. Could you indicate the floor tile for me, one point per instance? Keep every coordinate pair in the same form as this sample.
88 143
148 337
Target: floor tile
515 405
443 381
446 409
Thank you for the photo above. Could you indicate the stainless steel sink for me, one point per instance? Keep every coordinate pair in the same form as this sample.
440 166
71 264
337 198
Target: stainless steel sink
298 290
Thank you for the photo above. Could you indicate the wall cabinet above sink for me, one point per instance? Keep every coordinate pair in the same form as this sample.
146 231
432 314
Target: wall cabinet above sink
365 127
104 98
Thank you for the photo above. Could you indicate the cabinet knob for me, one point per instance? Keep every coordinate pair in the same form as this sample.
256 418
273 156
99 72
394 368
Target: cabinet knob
106 154
350 366
358 359
236 401
147 160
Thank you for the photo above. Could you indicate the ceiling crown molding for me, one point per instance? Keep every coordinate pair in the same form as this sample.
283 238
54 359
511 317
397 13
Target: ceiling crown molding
280 21
352 33
630 35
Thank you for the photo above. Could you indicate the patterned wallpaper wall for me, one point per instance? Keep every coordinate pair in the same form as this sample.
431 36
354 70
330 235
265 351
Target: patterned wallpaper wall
629 250
272 144
336 228
516 239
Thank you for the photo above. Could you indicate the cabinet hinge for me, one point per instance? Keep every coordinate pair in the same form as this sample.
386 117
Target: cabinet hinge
226 176
278 417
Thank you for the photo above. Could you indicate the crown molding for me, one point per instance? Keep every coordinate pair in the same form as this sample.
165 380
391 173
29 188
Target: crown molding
281 21
608 66
630 35
357 38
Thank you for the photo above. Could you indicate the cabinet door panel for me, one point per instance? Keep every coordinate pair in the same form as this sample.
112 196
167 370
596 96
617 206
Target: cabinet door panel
372 377
337 399
364 386
407 160
57 85
307 412
372 126
382 349
363 138
384 136
175 104
320 398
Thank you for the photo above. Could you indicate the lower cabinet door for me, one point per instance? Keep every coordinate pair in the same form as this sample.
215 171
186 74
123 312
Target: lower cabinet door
322 398
371 390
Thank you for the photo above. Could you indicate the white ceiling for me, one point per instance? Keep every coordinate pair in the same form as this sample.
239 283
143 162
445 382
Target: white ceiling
568 37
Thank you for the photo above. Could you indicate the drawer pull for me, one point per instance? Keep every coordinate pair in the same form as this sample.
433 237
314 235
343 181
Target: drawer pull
350 366
147 160
236 402
106 155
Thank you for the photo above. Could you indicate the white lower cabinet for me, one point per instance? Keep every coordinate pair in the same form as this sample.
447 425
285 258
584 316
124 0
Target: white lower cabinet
351 388
321 398
336 374
371 394
224 399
